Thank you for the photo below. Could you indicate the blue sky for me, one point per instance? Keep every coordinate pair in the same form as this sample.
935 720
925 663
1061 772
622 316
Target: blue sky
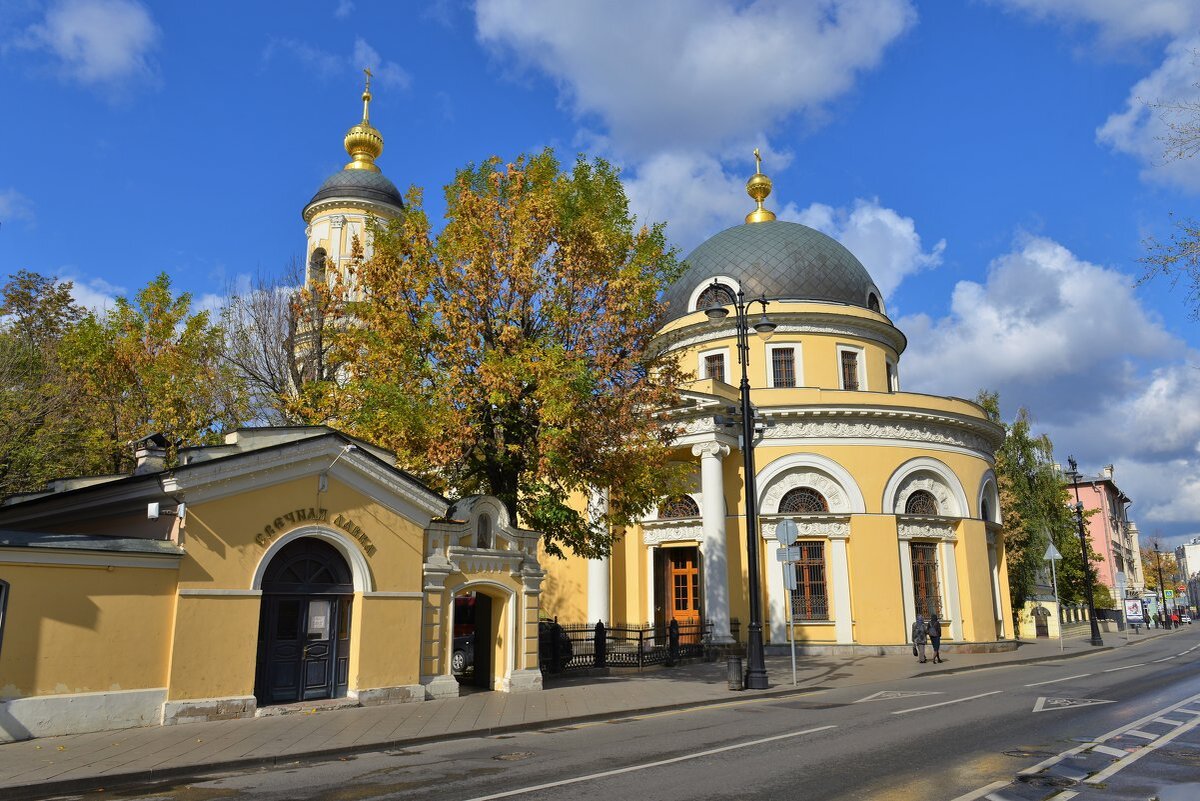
993 163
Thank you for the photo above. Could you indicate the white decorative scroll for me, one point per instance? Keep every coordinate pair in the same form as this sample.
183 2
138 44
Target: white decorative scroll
658 532
712 448
337 220
934 485
830 489
925 529
812 527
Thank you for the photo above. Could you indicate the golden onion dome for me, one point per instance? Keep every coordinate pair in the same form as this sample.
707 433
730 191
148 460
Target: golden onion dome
363 142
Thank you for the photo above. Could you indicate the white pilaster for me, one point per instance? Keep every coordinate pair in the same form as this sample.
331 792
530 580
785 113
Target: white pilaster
777 600
839 564
650 552
997 604
599 574
953 611
906 589
712 542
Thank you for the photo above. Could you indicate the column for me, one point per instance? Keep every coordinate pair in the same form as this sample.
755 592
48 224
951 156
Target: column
908 594
997 604
839 564
650 582
599 578
712 538
777 602
953 611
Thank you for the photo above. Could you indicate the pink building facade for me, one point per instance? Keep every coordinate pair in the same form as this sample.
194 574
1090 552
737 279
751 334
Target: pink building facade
1113 535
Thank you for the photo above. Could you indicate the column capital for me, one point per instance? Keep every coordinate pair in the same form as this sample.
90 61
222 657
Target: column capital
710 448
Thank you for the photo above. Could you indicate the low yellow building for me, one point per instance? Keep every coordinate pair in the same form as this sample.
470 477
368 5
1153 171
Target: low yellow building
893 492
286 565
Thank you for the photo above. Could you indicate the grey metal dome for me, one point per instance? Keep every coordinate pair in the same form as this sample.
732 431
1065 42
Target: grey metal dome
361 185
775 259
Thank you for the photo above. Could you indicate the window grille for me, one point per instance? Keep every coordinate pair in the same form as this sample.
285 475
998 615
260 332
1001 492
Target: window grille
714 295
679 506
809 599
926 594
783 367
921 502
714 366
849 370
803 500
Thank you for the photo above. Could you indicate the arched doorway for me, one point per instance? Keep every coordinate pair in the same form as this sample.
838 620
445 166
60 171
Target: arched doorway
304 624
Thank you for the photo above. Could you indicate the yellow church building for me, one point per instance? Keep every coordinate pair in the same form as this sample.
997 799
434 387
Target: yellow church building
893 492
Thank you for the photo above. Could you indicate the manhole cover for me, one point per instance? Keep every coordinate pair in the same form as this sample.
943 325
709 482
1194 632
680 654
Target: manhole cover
1028 753
514 756
1046 780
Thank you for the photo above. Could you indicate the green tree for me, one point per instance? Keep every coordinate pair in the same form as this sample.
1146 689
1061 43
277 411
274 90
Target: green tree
40 435
150 365
1152 561
1035 509
511 353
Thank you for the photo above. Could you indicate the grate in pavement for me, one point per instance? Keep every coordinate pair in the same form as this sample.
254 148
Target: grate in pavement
514 756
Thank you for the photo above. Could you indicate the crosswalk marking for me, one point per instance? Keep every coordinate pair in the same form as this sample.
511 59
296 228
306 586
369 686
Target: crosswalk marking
1112 752
1145 735
1169 721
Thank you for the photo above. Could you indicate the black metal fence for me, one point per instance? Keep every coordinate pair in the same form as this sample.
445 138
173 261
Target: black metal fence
566 647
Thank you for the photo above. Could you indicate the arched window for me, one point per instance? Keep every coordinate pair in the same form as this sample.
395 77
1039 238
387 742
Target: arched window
316 266
483 532
803 501
679 506
873 302
714 295
985 509
921 502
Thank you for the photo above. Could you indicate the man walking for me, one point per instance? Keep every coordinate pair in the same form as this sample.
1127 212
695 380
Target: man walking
920 635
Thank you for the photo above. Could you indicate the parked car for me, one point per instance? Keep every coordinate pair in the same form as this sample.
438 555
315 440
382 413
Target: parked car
1184 617
463 655
554 647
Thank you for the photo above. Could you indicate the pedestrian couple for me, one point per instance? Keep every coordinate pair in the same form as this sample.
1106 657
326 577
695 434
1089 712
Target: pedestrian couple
927 631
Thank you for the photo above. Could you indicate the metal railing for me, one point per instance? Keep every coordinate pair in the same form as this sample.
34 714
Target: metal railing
567 647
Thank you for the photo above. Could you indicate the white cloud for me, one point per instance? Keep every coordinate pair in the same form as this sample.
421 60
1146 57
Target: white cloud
388 73
886 242
97 42
693 75
1118 20
1139 129
344 9
691 191
94 293
1047 329
15 207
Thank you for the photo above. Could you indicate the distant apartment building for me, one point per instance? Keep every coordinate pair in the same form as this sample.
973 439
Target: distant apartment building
1187 556
1113 535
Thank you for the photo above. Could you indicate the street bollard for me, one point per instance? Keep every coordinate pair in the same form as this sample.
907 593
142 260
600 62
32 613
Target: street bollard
736 677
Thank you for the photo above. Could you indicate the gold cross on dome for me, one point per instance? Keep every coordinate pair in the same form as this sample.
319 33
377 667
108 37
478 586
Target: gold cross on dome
367 70
757 161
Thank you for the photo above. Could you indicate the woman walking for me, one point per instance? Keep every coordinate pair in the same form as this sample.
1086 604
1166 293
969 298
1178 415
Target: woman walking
920 635
935 637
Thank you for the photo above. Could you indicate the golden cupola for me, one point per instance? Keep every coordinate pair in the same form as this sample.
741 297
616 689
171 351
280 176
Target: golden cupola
758 188
363 142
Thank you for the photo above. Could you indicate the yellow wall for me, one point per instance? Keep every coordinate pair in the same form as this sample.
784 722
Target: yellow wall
77 629
216 647
382 653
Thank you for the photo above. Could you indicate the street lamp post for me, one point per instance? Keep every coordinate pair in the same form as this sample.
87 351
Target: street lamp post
1084 550
1162 588
756 665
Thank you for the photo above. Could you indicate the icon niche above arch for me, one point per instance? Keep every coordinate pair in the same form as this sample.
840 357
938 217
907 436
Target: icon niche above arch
925 475
812 471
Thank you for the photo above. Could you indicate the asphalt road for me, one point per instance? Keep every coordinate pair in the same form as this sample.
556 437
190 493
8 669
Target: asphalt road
1128 719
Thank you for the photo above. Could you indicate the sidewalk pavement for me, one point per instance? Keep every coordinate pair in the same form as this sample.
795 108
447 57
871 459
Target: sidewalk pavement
88 762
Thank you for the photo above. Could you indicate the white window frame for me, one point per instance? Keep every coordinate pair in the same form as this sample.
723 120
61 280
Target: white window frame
893 376
860 363
732 283
797 357
703 356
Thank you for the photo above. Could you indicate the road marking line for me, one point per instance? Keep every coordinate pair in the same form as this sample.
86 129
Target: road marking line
1124 667
1064 795
1112 752
1145 735
1187 712
1052 681
981 792
1169 721
1164 659
646 766
944 703
1103 775
1185 653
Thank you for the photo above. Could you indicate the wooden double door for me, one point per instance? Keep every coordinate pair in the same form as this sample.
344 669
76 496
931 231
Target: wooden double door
304 625
679 591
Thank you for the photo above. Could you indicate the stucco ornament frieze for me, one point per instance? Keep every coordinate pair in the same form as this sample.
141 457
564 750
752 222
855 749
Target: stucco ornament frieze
659 532
926 529
924 432
832 491
811 527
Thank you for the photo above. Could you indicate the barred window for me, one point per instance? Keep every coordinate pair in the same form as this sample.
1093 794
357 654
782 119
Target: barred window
803 500
679 506
714 366
714 295
809 599
783 367
849 370
926 595
921 502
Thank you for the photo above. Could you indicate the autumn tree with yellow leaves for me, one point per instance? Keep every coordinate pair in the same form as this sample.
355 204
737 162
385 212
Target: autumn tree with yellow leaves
510 353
